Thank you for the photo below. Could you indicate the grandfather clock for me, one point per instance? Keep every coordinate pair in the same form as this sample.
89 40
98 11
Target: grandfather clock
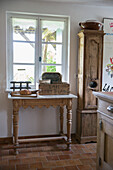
89 79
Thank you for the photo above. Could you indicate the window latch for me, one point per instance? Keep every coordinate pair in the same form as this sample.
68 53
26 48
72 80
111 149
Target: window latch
40 59
100 124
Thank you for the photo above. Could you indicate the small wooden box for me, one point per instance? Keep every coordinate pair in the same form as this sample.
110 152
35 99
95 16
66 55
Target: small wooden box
54 89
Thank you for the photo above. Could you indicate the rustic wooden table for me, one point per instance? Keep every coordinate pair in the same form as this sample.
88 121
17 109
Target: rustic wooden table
40 101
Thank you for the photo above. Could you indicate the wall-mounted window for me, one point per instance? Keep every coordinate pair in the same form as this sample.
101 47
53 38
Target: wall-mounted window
36 44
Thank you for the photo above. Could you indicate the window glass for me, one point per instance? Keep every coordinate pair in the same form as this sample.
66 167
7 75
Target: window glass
23 73
52 31
23 52
50 68
24 29
24 49
52 53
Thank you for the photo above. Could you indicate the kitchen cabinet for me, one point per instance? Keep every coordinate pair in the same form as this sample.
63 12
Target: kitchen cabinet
104 130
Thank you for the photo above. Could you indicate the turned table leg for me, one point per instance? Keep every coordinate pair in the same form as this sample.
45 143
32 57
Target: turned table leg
61 120
15 128
69 123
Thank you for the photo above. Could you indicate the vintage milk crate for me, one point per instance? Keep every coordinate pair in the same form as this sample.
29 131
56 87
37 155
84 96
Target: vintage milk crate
54 89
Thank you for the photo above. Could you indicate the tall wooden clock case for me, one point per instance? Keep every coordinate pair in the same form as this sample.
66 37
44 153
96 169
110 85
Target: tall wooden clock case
89 79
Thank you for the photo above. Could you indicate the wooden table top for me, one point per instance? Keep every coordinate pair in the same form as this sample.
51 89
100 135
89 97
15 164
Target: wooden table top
44 97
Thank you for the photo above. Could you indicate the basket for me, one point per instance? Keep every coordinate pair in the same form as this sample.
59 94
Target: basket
54 77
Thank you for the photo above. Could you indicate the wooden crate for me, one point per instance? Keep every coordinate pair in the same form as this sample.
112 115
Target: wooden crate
51 89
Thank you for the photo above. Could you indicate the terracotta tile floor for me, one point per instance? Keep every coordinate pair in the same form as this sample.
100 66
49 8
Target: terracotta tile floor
49 156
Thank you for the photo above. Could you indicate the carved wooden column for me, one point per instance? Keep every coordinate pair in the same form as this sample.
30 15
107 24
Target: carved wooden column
69 123
61 119
15 124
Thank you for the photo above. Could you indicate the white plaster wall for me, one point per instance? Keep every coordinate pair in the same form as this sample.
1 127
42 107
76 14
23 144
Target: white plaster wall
47 120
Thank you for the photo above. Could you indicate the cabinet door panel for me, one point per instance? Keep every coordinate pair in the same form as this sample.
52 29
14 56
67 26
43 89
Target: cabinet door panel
92 68
108 156
105 152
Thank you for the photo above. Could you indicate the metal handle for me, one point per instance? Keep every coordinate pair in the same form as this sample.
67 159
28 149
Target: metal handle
99 161
110 108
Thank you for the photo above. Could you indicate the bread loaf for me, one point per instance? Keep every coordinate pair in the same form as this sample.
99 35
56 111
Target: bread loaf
23 92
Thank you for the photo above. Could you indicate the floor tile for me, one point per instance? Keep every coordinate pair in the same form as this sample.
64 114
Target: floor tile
62 157
49 156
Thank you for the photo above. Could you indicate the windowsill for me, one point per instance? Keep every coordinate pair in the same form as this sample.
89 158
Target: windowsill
8 90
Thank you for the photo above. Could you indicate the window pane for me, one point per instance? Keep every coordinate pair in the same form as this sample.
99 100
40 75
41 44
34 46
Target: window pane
23 73
24 29
23 52
52 53
52 31
51 69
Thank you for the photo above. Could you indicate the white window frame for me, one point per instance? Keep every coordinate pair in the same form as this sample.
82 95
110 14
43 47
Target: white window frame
38 45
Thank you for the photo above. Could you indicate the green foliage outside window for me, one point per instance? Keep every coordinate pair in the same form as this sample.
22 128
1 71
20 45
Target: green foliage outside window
30 79
51 68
